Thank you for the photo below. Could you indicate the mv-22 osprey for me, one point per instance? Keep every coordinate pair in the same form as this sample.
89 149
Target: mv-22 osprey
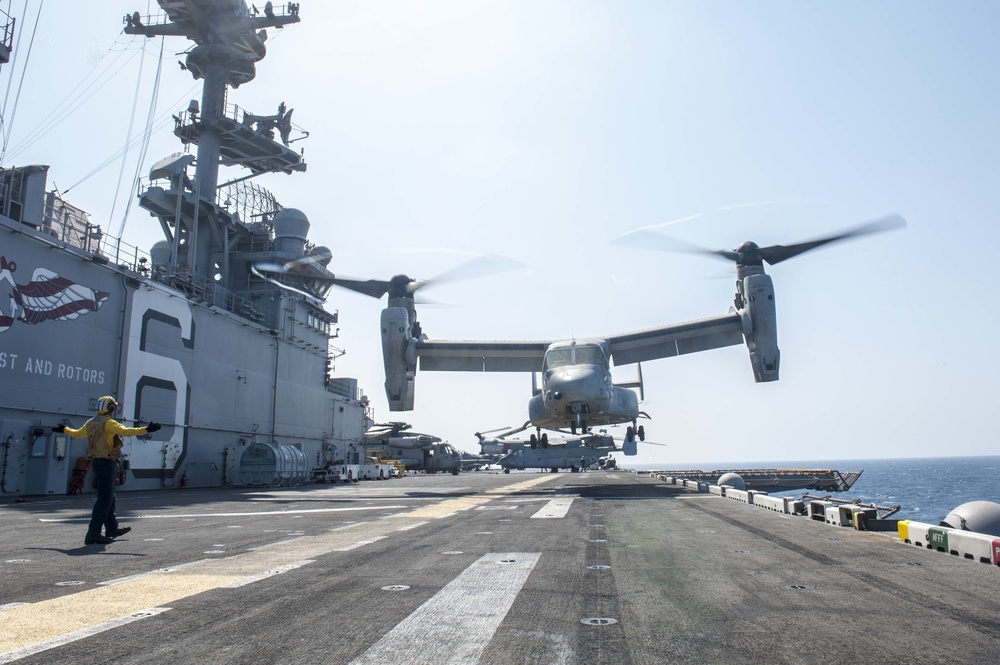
577 390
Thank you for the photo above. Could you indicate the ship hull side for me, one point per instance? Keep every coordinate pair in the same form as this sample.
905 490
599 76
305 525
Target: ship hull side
218 383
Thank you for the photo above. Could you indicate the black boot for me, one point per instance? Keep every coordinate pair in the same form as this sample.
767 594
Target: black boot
98 540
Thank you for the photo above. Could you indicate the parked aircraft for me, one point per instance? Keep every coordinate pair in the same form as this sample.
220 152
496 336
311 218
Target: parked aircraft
572 452
416 451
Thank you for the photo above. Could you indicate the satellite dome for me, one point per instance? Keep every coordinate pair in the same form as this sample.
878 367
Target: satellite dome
733 480
159 253
977 516
321 254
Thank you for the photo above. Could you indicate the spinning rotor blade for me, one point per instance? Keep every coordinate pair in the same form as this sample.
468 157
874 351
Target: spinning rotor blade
374 288
307 266
749 253
778 253
402 286
480 266
261 271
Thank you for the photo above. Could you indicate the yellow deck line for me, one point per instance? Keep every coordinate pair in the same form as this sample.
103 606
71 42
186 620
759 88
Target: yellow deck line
52 618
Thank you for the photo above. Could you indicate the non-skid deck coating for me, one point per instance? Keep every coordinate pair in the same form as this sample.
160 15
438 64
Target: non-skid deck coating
432 569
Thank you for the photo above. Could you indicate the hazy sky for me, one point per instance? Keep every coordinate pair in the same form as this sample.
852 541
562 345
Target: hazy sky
541 131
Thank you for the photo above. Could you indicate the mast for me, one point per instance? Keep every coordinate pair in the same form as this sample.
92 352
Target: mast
229 40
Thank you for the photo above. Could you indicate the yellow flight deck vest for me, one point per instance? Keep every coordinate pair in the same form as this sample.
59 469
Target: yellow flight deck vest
99 444
104 436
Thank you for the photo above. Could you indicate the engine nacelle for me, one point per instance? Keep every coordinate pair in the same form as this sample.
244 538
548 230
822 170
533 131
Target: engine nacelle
399 354
761 333
537 412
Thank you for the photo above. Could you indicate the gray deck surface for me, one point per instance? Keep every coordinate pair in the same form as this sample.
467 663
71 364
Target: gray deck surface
313 575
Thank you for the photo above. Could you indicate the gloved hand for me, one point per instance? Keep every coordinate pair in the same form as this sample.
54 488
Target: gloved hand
153 427
58 429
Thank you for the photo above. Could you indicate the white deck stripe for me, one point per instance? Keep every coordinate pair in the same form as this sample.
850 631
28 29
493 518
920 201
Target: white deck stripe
11 606
457 623
125 518
360 543
555 508
62 640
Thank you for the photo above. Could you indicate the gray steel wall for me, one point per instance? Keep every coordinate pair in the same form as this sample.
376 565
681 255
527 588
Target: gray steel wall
216 382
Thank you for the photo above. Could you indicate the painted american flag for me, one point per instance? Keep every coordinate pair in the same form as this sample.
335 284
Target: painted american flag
47 297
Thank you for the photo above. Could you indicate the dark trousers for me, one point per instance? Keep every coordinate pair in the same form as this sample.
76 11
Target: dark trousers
104 507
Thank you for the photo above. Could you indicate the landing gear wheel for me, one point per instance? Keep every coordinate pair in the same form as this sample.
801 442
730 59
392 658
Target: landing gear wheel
545 440
629 433
642 433
534 441
506 470
555 469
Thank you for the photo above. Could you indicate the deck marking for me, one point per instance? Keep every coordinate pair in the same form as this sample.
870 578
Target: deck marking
271 573
360 543
10 606
158 571
254 514
452 506
555 508
277 543
458 622
35 627
24 652
48 623
325 497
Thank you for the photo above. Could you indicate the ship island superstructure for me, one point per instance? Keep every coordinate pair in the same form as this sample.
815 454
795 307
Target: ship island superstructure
237 364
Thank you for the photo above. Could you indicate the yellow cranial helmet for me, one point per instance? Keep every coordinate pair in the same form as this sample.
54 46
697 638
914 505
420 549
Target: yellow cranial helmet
106 405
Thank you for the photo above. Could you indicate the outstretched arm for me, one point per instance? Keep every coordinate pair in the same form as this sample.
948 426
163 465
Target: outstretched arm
75 433
115 427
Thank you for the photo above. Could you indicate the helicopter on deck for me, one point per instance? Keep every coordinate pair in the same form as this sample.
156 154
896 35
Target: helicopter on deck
576 453
416 451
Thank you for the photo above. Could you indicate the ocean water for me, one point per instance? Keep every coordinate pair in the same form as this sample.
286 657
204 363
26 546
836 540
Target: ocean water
927 489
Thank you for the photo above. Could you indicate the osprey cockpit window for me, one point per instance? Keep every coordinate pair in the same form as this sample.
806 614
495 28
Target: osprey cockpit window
590 355
558 358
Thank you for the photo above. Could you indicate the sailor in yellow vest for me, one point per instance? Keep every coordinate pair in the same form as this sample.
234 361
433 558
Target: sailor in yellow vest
104 447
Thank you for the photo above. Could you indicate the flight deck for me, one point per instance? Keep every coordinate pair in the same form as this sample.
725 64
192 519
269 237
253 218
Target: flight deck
598 567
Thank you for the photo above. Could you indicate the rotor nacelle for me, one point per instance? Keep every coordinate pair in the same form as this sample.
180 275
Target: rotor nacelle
399 354
760 324
400 287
